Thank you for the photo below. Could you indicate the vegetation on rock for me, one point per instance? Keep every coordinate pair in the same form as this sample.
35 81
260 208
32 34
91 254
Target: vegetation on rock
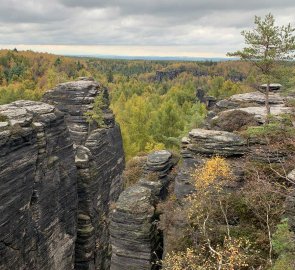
268 45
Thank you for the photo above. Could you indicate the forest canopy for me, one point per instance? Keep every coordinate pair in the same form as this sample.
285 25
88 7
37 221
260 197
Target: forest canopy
154 101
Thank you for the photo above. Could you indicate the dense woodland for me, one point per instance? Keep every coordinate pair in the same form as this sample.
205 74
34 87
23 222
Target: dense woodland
155 104
154 101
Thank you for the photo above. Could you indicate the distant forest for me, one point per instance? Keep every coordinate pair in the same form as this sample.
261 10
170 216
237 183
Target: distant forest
154 101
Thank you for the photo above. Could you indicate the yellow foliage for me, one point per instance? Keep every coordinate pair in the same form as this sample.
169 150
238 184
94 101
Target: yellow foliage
153 146
215 169
231 256
187 260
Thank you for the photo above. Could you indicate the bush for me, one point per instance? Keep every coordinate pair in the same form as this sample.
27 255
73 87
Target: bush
234 120
277 128
133 171
3 118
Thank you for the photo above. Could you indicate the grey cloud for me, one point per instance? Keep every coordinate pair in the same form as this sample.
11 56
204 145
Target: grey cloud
213 23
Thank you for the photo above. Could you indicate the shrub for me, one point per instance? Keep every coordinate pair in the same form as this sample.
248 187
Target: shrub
277 128
3 118
96 114
133 171
234 120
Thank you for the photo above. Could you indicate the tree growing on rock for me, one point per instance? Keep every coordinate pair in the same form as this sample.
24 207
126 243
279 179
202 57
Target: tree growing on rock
267 45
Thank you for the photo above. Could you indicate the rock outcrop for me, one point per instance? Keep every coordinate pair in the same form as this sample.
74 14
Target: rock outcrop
136 241
213 142
253 103
237 112
99 161
59 175
38 190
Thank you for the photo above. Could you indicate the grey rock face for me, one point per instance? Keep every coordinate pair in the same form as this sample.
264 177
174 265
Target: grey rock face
75 99
260 112
209 142
132 230
100 162
38 198
134 235
256 98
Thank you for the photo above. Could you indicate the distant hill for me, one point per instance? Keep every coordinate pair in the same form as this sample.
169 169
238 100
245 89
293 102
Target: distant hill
158 58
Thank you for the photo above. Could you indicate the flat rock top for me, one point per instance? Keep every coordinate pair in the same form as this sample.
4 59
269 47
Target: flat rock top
159 157
77 85
259 112
257 97
214 135
23 111
135 198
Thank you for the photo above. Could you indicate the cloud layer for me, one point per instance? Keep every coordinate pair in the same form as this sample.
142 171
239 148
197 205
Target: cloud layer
208 26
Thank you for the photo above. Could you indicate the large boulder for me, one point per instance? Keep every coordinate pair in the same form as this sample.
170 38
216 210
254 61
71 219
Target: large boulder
257 98
213 142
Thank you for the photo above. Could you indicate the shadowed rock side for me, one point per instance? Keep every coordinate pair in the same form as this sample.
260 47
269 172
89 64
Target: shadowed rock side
100 162
38 192
136 242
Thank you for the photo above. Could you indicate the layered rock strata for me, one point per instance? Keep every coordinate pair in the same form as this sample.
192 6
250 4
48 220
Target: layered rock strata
38 191
136 241
100 162
205 143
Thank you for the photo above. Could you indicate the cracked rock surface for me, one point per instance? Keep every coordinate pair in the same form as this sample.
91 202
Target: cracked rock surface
38 199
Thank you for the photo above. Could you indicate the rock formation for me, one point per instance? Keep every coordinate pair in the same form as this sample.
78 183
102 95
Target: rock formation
203 143
59 175
38 198
99 161
136 241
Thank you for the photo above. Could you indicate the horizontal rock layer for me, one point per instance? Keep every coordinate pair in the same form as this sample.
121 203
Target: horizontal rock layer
209 142
38 198
136 242
100 162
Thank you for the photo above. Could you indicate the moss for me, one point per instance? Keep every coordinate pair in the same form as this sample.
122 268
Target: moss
86 230
96 114
3 118
134 170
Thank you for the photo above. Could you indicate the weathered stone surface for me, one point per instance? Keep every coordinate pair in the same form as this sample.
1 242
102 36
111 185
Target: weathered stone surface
272 87
183 181
75 99
159 162
100 162
208 142
259 113
257 97
132 230
136 242
38 198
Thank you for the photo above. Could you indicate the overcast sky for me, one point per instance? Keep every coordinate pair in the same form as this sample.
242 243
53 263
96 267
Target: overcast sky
134 27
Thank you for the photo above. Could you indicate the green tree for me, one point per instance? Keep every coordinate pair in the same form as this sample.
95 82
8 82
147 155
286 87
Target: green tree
267 45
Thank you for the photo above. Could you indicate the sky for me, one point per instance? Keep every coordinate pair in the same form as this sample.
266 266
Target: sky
192 28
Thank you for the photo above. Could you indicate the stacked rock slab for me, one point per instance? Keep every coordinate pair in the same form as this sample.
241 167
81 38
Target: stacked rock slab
38 192
253 103
100 162
136 242
205 143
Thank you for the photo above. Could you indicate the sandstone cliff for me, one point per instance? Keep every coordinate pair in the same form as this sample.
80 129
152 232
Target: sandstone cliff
99 161
59 174
38 198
